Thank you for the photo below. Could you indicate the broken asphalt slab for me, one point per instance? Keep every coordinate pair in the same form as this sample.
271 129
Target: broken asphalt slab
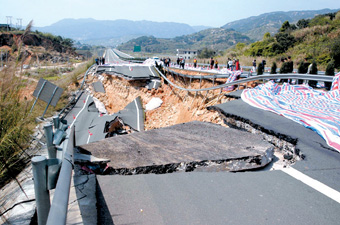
184 147
318 157
90 124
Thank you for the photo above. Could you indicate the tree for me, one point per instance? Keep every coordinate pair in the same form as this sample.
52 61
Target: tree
303 68
260 69
285 26
285 40
273 68
302 23
329 72
314 70
335 52
285 68
206 53
266 36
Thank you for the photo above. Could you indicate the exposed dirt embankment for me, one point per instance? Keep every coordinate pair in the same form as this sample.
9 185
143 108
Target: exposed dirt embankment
178 106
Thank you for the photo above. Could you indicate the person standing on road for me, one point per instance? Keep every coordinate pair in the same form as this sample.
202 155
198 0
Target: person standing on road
237 66
230 64
216 64
178 61
212 62
183 63
254 65
195 62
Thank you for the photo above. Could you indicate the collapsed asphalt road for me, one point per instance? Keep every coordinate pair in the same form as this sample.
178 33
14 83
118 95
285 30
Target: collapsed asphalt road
269 196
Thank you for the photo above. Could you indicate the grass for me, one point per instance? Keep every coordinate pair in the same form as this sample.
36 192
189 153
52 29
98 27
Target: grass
16 121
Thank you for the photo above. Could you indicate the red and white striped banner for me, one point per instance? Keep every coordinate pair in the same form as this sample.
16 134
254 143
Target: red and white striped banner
317 110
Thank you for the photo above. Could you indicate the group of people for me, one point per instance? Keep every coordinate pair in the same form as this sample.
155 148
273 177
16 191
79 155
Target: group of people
213 63
233 64
166 61
181 62
100 61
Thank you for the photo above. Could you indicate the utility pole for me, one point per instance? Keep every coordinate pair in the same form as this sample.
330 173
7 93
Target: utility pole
19 23
9 18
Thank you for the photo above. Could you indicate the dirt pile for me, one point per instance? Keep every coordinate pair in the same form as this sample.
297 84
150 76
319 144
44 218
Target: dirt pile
178 106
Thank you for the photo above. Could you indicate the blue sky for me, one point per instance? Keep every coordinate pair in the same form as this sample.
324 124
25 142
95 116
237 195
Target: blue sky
214 13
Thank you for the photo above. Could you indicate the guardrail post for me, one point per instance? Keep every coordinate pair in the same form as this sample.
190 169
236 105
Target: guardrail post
52 153
56 122
42 195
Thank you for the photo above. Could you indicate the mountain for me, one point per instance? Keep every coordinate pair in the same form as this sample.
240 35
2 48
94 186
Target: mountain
256 26
115 31
213 38
200 28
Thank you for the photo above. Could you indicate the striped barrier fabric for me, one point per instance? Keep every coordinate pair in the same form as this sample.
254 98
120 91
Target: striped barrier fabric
233 76
317 110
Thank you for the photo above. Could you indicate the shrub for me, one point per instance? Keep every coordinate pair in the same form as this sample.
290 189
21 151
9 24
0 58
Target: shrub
314 70
330 72
285 68
273 68
302 23
335 52
260 69
14 132
285 40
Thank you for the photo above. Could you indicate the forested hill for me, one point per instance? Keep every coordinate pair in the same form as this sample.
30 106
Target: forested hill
256 26
214 38
316 39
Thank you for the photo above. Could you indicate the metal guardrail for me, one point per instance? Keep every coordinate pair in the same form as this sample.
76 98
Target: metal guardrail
138 60
46 171
79 89
254 78
58 212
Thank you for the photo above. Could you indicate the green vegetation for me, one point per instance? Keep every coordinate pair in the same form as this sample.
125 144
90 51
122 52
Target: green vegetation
66 42
273 68
213 39
206 53
14 121
330 72
314 70
316 39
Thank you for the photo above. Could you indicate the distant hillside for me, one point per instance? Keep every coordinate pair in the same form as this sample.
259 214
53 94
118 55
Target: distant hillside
108 32
218 39
256 26
316 39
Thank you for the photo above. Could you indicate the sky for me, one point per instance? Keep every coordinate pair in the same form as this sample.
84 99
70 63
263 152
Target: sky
213 13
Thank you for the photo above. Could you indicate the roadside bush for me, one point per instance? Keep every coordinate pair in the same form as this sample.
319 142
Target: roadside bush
273 68
14 132
314 70
206 53
330 72
260 69
285 40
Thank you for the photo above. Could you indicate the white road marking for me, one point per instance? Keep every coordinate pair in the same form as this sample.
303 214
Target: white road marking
88 139
317 185
151 71
80 111
138 127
